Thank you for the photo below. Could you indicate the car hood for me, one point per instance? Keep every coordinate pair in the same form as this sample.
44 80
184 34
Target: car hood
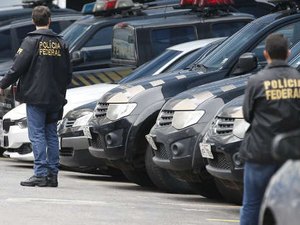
129 92
75 96
193 98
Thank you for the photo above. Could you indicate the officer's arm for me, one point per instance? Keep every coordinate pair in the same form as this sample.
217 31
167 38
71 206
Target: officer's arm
70 70
249 101
21 63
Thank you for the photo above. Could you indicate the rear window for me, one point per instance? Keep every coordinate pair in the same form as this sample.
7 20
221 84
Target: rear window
164 38
226 29
123 44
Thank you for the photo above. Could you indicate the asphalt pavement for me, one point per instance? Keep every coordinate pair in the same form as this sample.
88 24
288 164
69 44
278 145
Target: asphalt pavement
86 199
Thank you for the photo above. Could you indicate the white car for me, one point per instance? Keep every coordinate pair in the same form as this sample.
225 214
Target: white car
15 135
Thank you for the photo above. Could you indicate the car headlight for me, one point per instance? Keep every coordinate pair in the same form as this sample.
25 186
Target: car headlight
83 120
183 119
117 111
22 123
240 127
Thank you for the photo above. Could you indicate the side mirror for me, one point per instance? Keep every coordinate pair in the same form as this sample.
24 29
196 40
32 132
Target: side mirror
286 146
247 63
77 58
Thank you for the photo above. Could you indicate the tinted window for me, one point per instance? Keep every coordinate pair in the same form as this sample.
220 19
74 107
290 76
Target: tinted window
123 44
233 44
5 45
164 38
292 32
23 31
101 37
226 29
55 26
74 32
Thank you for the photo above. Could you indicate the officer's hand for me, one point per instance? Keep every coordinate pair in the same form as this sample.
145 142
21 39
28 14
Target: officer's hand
1 91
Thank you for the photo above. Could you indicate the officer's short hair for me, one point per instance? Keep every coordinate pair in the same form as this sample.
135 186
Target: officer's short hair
41 15
277 46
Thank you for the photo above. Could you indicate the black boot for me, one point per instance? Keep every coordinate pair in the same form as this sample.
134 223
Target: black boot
52 180
35 181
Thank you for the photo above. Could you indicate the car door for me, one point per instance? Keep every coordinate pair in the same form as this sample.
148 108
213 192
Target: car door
96 51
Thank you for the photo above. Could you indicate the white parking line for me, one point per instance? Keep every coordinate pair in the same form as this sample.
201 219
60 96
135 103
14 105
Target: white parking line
55 201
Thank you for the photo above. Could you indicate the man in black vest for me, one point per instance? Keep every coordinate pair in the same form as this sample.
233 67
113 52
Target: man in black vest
43 71
271 106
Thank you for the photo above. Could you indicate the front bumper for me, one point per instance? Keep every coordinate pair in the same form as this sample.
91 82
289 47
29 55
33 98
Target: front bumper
110 138
74 151
15 137
175 148
226 164
27 157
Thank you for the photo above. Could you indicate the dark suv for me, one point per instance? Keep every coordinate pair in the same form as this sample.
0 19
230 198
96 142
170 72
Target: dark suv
126 114
178 147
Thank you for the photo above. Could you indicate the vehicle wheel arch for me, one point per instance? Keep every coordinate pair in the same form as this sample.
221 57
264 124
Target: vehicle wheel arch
268 217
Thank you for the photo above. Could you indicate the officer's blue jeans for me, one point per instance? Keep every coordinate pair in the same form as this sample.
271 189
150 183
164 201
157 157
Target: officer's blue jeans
256 179
44 139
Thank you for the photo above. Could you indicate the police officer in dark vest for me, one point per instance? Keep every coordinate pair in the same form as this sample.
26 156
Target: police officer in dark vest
43 71
271 106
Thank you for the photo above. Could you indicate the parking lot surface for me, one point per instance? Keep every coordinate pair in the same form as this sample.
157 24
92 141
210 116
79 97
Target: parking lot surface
95 199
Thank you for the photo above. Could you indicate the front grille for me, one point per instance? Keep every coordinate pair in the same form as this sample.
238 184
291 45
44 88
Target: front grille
77 133
165 118
223 126
162 153
66 152
97 141
219 161
101 110
69 122
6 124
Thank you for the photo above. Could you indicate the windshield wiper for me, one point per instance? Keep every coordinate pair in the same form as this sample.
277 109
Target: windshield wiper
198 67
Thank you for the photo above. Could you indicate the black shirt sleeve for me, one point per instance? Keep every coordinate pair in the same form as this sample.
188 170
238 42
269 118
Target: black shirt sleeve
22 61
249 100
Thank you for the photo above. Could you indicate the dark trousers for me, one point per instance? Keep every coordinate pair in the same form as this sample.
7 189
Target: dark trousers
256 179
42 131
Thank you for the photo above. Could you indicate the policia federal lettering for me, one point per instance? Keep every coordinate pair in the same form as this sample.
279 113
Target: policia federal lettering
282 89
49 48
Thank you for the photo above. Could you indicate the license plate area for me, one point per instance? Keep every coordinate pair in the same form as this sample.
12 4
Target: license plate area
206 152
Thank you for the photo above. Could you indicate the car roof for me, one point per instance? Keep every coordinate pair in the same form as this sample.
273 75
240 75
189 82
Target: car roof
28 18
193 45
15 12
192 18
94 20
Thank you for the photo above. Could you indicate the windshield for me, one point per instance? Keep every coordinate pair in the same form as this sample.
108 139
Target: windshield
294 58
151 67
191 59
234 44
74 32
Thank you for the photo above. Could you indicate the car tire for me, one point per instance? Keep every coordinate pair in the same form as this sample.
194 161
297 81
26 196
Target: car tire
164 180
138 176
232 193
